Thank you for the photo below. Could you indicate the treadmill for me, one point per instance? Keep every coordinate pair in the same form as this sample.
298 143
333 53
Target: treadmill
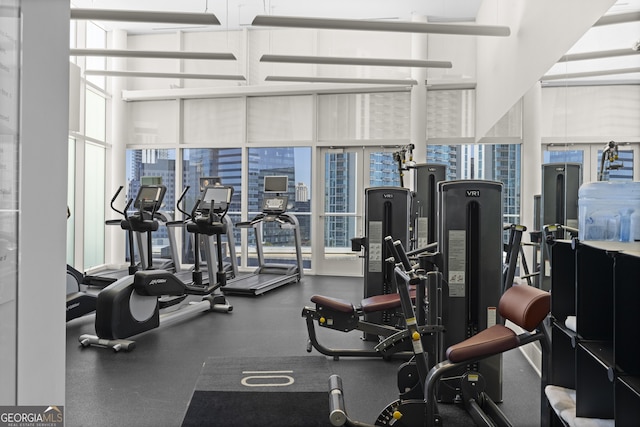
269 276
105 277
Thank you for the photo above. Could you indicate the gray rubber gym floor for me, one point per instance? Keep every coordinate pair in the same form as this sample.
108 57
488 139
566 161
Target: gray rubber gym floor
152 385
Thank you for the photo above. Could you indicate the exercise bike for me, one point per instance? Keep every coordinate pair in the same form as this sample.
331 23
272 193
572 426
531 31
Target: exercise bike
132 305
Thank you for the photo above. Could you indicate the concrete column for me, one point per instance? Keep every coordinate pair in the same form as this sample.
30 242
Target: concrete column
531 172
44 130
118 153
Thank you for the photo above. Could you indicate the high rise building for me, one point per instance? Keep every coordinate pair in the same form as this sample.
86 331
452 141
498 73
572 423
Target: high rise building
499 162
302 192
339 197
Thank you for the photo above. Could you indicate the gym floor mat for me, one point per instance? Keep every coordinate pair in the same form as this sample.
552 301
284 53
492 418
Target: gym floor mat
261 391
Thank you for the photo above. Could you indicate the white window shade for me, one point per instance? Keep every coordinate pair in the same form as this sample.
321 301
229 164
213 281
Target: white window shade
95 115
279 118
364 116
591 111
153 122
450 113
218 121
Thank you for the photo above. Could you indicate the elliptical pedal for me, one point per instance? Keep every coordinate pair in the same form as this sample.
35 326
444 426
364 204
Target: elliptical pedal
219 303
87 340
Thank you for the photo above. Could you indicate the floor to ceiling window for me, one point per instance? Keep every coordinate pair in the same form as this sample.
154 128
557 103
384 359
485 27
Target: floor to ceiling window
94 165
279 133
498 162
154 166
452 120
363 131
295 164
206 166
95 130
71 179
620 167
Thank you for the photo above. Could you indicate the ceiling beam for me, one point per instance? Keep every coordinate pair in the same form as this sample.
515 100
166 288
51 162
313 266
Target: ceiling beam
348 80
162 75
144 16
333 60
597 55
590 74
370 25
165 54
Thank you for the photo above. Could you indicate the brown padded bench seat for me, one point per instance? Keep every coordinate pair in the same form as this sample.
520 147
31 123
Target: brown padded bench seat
336 304
369 305
524 305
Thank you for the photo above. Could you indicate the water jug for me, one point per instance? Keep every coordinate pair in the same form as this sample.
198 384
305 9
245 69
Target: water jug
609 210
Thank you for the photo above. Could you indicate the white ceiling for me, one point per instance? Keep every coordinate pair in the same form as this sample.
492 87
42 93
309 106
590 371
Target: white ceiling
234 14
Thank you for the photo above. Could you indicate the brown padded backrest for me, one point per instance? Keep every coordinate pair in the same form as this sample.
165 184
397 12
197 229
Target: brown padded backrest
525 305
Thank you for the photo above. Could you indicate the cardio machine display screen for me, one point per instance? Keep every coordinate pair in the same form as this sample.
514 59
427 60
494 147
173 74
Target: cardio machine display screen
150 197
276 184
218 196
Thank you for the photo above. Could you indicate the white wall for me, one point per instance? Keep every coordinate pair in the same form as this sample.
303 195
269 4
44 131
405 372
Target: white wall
541 32
249 45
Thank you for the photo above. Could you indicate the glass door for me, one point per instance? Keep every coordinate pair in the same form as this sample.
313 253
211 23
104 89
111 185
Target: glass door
344 174
622 165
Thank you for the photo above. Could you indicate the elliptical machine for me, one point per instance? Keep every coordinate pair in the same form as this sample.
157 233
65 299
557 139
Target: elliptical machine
79 301
82 288
131 306
105 277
